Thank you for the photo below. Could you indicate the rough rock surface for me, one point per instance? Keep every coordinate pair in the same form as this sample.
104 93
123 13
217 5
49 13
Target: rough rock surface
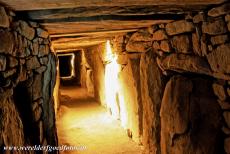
219 59
4 20
152 86
138 46
189 114
185 63
179 27
181 44
214 27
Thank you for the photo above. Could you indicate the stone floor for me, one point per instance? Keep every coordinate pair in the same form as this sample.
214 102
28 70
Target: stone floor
83 122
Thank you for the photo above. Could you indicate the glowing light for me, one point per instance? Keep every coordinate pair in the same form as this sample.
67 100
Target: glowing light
114 99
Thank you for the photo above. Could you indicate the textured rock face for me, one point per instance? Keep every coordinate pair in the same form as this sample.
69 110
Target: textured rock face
214 27
181 44
4 20
27 112
179 27
219 59
189 114
151 91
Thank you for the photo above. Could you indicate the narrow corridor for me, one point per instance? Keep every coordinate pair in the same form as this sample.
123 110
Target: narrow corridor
83 122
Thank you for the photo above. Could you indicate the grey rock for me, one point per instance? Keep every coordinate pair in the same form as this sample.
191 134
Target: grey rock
26 30
42 33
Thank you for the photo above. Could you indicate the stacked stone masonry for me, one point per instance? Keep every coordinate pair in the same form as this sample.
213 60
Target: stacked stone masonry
176 78
27 77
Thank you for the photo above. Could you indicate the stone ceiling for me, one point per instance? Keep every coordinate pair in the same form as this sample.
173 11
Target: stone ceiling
77 23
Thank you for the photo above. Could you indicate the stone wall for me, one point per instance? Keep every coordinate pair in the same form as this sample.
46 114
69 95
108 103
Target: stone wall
27 80
175 81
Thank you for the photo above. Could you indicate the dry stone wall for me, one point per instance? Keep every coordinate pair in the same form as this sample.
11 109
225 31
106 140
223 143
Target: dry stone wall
185 83
27 79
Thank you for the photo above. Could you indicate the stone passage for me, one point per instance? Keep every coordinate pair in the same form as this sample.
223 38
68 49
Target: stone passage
83 122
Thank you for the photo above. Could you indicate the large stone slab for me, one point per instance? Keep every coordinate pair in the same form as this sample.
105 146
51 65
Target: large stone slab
152 87
178 27
219 59
185 63
138 46
220 10
189 113
214 27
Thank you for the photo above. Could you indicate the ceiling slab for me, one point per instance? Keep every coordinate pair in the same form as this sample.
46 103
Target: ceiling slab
20 5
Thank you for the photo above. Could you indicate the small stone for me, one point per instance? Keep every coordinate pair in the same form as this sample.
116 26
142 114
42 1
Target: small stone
46 41
35 48
200 17
2 63
23 74
227 145
32 63
210 48
220 10
165 46
141 36
181 44
44 60
224 105
7 42
42 33
37 113
138 46
196 44
12 62
226 130
203 44
219 39
161 26
219 91
33 24
26 30
159 35
9 73
215 27
40 69
227 18
178 27
228 91
226 115
43 50
156 45
152 29
4 19
219 59
22 61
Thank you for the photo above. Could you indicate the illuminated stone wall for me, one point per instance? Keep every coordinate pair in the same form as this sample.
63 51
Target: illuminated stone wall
175 83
